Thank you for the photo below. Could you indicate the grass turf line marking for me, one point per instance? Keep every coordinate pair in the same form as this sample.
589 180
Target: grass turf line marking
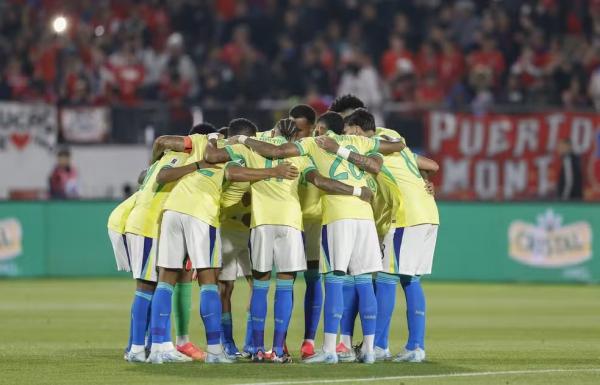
426 376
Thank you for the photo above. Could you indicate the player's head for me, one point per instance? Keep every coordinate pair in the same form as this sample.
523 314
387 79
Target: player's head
241 126
223 131
346 104
203 128
63 157
330 121
288 129
360 122
304 116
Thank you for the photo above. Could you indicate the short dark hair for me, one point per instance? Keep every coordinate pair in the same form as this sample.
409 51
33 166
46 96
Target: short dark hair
223 131
333 121
362 118
203 128
346 102
64 151
303 111
241 126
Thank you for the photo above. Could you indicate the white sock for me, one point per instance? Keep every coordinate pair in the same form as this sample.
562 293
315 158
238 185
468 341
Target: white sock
329 342
137 348
182 340
214 349
346 340
368 341
312 342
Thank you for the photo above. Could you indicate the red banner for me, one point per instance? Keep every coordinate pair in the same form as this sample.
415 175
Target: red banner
510 157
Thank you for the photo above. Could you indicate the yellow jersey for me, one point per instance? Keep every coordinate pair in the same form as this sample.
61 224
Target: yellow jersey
275 201
118 217
198 193
265 134
388 200
235 211
336 207
417 206
145 216
380 131
386 203
310 201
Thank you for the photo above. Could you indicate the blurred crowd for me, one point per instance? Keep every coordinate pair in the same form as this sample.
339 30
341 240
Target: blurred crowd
463 54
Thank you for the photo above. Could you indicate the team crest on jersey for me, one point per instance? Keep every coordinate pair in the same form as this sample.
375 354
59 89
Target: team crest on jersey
550 243
10 238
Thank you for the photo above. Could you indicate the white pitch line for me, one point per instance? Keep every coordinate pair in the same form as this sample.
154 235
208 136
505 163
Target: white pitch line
426 376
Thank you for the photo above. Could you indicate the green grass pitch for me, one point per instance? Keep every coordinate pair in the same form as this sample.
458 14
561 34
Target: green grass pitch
74 331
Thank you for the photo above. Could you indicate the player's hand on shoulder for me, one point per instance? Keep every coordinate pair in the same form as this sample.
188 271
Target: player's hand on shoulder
366 194
286 170
327 143
430 188
233 139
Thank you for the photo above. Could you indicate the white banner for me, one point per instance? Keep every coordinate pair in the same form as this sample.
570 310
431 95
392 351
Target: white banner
23 124
85 124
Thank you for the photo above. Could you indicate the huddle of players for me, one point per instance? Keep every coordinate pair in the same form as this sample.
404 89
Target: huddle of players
324 199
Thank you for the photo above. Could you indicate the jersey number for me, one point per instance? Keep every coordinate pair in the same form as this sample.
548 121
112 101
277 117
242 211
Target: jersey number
344 175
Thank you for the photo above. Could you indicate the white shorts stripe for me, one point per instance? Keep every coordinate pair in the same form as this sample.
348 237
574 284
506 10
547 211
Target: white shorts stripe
409 250
350 246
119 244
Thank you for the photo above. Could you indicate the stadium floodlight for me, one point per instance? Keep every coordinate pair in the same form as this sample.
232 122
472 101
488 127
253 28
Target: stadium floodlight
59 24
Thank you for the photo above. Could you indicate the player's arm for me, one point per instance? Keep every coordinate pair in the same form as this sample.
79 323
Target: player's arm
236 173
390 146
212 154
268 150
371 163
427 167
331 186
168 142
170 174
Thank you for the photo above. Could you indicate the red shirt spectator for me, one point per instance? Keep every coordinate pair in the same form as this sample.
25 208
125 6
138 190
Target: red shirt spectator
391 57
63 179
488 56
427 60
451 65
430 92
44 61
17 81
129 78
529 67
234 51
128 75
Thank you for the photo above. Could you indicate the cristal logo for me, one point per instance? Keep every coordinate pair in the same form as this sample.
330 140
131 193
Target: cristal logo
549 243
10 238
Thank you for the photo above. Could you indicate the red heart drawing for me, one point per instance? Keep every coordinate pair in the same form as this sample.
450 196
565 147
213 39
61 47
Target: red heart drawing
20 140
